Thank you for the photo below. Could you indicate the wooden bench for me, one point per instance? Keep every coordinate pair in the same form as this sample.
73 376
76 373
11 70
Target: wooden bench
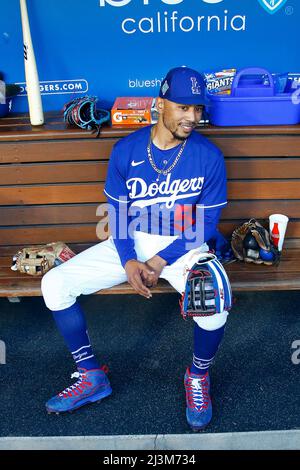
51 181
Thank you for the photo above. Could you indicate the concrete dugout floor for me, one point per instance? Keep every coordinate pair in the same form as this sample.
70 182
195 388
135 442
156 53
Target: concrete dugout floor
147 345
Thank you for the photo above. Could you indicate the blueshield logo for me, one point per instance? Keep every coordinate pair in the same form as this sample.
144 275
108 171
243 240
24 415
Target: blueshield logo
272 6
122 3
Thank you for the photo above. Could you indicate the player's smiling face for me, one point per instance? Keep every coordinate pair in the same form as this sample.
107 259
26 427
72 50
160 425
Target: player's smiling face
179 119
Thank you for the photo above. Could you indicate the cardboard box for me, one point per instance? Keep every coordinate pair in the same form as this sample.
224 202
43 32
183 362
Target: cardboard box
133 111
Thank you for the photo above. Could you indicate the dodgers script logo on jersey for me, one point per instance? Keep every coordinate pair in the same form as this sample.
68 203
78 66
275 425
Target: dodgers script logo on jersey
272 6
169 191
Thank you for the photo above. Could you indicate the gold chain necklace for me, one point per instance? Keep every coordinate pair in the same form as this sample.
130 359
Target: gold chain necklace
164 171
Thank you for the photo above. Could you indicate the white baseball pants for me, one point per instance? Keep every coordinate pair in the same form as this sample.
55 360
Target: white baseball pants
99 267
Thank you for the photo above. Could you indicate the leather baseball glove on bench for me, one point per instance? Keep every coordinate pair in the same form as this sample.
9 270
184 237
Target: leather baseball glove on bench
251 243
37 260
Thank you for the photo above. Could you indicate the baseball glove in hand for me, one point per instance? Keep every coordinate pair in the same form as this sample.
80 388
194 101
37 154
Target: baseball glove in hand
251 243
37 260
207 289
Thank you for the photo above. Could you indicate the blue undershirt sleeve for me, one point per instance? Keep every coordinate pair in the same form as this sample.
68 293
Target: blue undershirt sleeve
118 223
117 194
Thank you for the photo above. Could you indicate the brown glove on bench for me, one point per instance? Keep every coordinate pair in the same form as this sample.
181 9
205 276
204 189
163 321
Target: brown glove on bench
37 260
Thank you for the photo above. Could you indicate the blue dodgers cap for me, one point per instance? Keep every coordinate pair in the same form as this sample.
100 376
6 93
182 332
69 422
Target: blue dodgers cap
185 86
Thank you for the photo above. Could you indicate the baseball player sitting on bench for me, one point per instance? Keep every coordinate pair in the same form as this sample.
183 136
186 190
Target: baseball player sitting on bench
156 176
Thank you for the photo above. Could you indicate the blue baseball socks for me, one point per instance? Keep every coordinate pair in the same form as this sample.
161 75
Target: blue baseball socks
206 344
72 325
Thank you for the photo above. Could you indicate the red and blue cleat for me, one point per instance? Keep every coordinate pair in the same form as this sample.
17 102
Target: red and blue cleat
91 386
199 409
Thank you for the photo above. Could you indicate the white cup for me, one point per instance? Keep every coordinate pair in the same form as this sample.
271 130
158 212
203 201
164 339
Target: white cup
277 227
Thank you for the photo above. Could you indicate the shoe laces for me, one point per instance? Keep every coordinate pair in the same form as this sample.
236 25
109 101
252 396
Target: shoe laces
78 387
197 392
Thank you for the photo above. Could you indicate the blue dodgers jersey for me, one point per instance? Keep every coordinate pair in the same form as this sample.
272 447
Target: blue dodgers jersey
199 178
